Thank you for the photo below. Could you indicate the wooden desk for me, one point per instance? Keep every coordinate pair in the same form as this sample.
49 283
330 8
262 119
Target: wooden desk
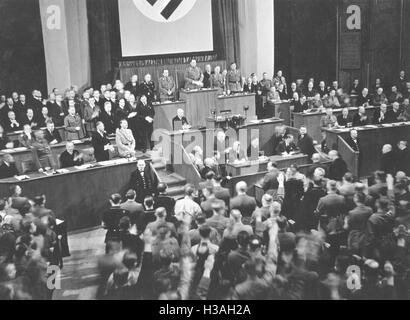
265 129
199 104
80 196
236 104
14 136
253 167
312 120
282 111
24 154
165 112
371 140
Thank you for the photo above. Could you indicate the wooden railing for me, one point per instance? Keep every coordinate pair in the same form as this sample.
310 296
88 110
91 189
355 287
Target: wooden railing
350 156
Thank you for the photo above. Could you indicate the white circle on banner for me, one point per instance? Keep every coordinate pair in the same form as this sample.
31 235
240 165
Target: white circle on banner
164 11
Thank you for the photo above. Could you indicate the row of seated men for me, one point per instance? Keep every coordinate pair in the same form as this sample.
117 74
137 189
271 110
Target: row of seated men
360 118
227 152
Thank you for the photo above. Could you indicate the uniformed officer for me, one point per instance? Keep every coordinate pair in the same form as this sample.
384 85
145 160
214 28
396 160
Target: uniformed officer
166 87
147 88
218 80
193 77
266 84
234 79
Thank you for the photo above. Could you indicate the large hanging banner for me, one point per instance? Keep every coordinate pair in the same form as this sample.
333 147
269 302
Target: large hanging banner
53 24
157 27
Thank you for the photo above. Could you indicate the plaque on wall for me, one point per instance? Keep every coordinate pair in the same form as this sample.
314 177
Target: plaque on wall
350 50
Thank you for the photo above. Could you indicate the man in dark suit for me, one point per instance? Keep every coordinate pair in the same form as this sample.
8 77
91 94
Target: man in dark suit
281 132
305 142
179 122
360 118
364 98
380 115
388 161
270 183
403 158
331 210
101 143
146 115
50 134
394 114
244 203
287 146
221 192
71 157
352 140
344 119
143 181
8 167
135 209
164 201
338 167
111 219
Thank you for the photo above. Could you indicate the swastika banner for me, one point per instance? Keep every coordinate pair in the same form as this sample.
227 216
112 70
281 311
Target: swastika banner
156 27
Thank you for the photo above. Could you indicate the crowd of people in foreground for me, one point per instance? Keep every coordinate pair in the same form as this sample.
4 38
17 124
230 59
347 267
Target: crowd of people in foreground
309 237
30 241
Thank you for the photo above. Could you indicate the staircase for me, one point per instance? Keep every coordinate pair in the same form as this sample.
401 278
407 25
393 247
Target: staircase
174 181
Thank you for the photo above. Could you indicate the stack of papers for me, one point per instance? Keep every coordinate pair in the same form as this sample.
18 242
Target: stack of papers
83 167
23 177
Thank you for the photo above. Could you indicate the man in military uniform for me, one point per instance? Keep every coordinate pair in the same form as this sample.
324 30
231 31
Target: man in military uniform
147 88
234 79
193 77
280 79
166 87
218 80
265 84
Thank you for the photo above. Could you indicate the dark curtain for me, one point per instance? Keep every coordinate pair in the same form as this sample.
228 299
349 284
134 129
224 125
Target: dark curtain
226 29
22 62
104 37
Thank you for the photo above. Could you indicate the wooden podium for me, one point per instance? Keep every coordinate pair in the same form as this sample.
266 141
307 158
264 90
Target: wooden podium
236 104
165 112
199 104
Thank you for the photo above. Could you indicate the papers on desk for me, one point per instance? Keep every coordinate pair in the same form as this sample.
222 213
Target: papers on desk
116 161
371 126
83 167
23 177
58 221
76 141
61 171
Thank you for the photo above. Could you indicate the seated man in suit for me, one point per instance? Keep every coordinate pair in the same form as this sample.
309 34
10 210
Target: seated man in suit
280 133
380 115
101 143
50 134
71 157
11 124
360 118
237 154
287 147
8 167
379 98
180 122
305 142
345 120
364 98
27 138
329 120
394 115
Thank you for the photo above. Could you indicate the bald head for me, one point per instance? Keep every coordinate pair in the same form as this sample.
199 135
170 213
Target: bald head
241 187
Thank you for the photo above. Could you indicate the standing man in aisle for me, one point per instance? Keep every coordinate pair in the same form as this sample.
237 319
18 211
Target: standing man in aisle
166 87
